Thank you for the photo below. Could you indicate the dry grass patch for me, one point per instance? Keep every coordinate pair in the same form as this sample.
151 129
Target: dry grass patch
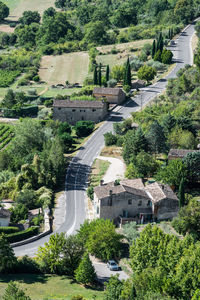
99 169
125 46
59 68
112 151
194 42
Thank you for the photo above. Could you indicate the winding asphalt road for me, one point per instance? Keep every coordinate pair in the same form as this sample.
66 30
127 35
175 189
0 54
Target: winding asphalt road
78 171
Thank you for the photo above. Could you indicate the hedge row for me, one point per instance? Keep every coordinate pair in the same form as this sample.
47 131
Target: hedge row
8 229
28 111
3 129
5 135
22 235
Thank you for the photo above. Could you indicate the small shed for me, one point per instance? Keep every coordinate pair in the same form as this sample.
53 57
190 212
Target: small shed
4 217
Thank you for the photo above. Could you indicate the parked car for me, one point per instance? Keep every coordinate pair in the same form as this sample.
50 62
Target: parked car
112 265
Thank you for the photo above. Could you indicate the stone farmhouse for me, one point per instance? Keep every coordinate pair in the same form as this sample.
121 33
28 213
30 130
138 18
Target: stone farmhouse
112 95
179 153
73 111
132 201
4 217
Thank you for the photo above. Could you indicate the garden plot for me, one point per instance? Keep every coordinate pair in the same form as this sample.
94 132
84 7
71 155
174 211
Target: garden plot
71 66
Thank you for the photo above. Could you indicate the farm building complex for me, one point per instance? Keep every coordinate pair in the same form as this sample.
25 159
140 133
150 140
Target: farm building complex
131 200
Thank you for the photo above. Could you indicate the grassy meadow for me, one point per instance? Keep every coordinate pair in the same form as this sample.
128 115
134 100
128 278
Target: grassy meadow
48 287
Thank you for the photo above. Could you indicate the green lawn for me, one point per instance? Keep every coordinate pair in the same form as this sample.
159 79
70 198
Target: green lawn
40 287
54 92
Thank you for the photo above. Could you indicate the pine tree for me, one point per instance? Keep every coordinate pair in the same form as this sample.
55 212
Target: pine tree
13 292
153 51
99 75
95 77
181 193
85 273
107 73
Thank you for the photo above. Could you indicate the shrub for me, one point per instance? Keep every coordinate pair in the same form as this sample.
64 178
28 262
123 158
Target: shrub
110 139
7 77
90 192
48 103
166 56
8 229
22 235
27 265
112 83
84 128
136 63
36 78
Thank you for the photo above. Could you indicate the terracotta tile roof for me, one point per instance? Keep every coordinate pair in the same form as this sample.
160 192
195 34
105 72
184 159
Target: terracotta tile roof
4 213
78 104
107 91
132 186
181 153
158 191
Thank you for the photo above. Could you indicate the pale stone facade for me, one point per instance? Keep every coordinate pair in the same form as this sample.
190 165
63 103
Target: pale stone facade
112 95
131 199
73 111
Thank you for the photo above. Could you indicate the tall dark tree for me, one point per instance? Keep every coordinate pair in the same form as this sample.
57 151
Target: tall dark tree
127 73
156 138
99 75
181 193
153 51
95 78
161 44
107 73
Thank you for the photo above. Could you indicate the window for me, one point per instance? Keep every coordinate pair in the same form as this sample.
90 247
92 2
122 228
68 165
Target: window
129 201
94 109
140 203
149 203
59 108
73 110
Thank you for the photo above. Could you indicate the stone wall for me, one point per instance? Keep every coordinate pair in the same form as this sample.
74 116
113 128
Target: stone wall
124 204
72 115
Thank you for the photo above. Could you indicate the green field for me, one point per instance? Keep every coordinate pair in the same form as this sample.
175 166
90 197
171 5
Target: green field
17 7
40 287
59 68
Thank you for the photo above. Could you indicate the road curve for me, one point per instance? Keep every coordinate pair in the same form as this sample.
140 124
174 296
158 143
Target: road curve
78 171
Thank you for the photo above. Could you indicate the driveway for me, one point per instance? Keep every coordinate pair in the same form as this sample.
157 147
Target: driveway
116 169
103 272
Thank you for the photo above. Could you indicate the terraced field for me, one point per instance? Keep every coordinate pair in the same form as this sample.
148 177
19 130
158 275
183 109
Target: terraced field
6 135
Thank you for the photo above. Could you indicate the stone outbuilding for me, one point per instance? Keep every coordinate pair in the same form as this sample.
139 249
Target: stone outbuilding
165 204
112 95
131 200
179 153
4 217
77 110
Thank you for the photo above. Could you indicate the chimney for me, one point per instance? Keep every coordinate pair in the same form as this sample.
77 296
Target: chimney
101 182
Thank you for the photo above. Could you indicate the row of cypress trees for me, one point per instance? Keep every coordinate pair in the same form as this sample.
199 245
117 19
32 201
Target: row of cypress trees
97 76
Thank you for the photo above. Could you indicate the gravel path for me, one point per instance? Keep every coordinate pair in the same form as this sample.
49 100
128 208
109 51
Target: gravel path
116 169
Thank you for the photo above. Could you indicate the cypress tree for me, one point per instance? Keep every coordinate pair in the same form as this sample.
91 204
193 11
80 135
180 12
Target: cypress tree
107 73
161 44
169 34
153 51
172 33
181 193
127 73
99 75
95 77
